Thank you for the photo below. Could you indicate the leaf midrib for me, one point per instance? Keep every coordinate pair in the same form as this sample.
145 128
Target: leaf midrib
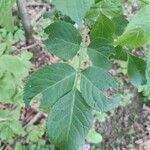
97 87
72 110
68 42
98 52
58 82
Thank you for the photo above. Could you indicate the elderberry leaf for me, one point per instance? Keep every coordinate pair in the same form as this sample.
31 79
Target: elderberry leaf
103 27
95 82
75 9
99 51
136 70
52 81
69 121
137 32
63 40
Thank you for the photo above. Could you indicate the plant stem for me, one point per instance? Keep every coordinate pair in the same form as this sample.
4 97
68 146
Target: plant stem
77 75
21 4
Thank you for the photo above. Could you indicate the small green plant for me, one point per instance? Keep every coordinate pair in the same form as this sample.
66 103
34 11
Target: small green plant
13 70
10 125
6 19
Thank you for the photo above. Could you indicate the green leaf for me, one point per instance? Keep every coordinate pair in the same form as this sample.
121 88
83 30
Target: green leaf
52 81
12 70
136 70
3 47
19 146
120 23
137 32
144 2
69 116
63 40
99 51
103 27
34 133
132 38
119 54
7 87
6 19
101 116
75 9
94 137
69 121
14 63
91 16
10 125
111 8
95 82
96 1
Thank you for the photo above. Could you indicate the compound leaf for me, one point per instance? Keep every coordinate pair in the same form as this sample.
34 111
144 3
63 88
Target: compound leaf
95 83
63 40
69 121
52 81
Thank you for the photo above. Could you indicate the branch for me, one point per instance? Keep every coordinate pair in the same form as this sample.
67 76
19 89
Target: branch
21 4
30 46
